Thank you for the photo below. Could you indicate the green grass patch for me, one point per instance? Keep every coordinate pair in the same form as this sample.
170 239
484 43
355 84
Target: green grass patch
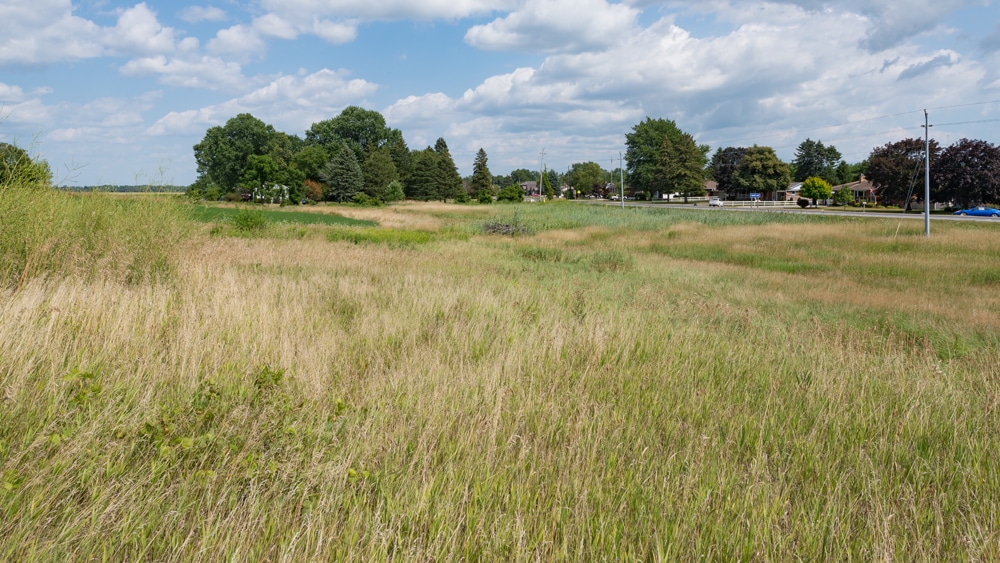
390 237
215 214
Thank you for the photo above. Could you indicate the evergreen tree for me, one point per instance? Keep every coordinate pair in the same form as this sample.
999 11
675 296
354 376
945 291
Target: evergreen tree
342 176
725 163
449 180
482 180
813 158
547 187
401 156
423 184
379 171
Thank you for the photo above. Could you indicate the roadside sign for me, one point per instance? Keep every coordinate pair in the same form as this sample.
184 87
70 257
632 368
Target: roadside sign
754 196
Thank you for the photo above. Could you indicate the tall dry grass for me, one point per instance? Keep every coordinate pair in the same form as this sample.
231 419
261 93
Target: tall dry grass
50 233
595 392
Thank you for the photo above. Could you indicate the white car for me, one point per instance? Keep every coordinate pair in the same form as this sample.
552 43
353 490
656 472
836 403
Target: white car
714 202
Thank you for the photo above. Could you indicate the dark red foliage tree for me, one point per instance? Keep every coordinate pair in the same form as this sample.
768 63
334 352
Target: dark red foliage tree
968 173
897 168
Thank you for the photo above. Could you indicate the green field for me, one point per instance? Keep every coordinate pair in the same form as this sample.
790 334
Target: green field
601 384
219 214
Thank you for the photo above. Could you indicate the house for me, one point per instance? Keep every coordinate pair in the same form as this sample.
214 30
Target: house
530 187
862 190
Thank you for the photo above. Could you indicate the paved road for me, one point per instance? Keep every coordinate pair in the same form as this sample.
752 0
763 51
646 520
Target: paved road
826 213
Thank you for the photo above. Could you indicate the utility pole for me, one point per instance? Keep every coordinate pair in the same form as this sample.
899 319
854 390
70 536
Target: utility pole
541 166
927 175
621 182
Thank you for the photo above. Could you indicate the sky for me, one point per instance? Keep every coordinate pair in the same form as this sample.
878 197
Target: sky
112 92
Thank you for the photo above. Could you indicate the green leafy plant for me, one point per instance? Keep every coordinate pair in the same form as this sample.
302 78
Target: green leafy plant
249 220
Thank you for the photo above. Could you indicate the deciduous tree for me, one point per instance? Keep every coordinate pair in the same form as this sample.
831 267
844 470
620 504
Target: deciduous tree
19 169
762 171
587 177
358 128
644 144
895 170
815 188
968 173
223 154
680 168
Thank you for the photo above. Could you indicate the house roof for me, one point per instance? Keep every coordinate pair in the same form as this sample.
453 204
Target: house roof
862 185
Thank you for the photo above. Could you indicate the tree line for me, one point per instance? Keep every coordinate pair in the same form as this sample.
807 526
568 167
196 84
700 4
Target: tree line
662 159
356 157
351 157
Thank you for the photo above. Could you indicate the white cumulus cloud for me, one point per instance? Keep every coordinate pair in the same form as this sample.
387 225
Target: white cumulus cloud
290 103
555 26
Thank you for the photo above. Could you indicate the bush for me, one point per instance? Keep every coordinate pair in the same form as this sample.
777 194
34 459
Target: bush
512 194
802 202
365 200
485 198
394 192
249 220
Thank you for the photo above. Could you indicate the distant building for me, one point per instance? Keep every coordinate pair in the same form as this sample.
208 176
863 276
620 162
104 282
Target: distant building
862 190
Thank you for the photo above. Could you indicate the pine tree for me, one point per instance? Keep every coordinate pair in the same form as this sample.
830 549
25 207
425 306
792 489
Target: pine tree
449 181
547 187
482 180
342 176
423 184
379 171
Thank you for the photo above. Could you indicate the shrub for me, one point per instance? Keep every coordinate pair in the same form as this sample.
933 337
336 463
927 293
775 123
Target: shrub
802 202
249 220
512 194
394 192
365 200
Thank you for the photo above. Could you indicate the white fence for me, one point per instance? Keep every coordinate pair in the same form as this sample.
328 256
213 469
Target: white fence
759 204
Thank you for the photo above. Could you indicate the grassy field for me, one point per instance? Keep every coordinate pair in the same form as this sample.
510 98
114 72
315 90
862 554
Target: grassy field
605 384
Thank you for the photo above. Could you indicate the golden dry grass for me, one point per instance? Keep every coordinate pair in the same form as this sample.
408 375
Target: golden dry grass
619 394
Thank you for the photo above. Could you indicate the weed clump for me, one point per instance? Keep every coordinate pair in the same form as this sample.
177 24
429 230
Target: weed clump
249 221
512 226
612 261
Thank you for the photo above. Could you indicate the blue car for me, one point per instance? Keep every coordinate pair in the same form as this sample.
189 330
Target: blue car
980 211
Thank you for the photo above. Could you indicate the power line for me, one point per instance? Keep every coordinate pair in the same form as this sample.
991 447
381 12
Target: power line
790 132
967 122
